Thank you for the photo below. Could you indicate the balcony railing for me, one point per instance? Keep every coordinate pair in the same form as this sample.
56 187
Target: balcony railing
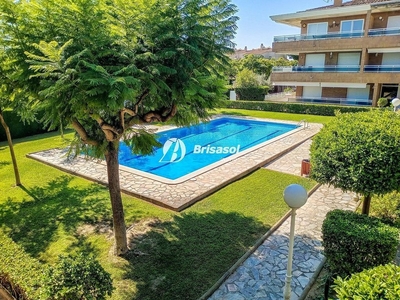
381 68
326 68
384 31
305 37
337 101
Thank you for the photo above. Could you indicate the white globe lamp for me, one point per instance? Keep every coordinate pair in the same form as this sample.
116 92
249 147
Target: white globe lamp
295 196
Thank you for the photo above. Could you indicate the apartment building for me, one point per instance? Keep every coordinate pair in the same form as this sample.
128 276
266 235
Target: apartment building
349 52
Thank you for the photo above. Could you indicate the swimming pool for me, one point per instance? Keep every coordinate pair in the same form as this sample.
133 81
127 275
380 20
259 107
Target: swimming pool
192 149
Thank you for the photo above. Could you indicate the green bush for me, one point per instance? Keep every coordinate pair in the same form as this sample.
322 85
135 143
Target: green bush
382 102
78 277
382 282
22 282
18 128
354 242
387 207
251 93
295 108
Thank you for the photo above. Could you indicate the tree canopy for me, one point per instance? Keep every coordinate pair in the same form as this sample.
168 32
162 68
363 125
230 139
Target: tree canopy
107 66
359 152
258 64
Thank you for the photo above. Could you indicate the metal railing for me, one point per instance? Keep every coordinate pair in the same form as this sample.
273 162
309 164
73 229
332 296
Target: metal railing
326 68
384 31
325 100
381 68
330 35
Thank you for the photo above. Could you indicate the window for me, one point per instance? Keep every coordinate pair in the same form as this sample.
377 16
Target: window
352 25
317 28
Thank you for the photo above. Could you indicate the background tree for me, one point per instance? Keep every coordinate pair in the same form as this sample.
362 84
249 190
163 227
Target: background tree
360 153
106 67
13 96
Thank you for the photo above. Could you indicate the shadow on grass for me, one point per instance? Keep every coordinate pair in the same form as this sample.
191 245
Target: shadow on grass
4 163
36 222
184 257
233 113
36 137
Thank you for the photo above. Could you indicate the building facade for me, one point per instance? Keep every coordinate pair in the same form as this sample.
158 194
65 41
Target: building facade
349 52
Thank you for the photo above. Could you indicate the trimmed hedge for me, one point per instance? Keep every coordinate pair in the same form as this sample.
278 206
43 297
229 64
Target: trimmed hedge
21 274
18 128
382 282
354 242
251 93
295 108
78 277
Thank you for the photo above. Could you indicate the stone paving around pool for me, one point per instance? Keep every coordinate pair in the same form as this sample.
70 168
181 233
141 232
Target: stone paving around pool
181 195
262 274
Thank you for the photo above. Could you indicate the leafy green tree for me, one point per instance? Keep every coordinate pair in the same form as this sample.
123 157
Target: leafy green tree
359 152
108 66
257 64
12 96
247 79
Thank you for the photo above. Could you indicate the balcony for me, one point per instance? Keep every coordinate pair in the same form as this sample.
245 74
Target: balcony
337 41
337 101
306 37
382 68
384 31
326 68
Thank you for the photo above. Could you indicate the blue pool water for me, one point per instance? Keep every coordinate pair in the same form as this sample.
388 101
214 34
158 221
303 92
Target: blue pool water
188 149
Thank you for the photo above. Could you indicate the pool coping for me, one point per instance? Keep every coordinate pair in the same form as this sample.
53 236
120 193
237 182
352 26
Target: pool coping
178 196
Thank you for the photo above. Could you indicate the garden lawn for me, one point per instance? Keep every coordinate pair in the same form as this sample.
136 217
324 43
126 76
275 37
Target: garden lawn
273 115
174 255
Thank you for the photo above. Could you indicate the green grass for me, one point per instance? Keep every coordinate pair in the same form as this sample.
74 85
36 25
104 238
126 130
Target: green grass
178 256
273 115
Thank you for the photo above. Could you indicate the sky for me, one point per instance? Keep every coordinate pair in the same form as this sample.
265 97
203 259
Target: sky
255 25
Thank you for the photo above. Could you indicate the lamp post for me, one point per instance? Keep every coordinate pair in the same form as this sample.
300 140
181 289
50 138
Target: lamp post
295 196
395 103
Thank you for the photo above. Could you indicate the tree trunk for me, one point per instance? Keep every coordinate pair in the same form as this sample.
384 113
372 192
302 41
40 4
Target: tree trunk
11 147
61 129
120 246
366 204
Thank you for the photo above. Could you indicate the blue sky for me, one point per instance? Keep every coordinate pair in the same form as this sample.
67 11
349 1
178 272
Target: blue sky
255 26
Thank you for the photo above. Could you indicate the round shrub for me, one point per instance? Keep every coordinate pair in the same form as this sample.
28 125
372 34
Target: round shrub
78 277
382 282
354 242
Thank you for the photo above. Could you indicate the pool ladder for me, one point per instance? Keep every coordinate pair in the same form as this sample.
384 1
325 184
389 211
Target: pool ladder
304 122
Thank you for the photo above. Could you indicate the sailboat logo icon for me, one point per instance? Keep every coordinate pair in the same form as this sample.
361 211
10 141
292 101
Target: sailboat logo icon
174 151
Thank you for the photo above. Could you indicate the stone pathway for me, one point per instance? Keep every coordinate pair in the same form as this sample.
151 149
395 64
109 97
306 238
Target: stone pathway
178 196
262 274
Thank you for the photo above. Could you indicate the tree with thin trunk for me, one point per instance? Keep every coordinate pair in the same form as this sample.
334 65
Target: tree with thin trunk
108 67
359 152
